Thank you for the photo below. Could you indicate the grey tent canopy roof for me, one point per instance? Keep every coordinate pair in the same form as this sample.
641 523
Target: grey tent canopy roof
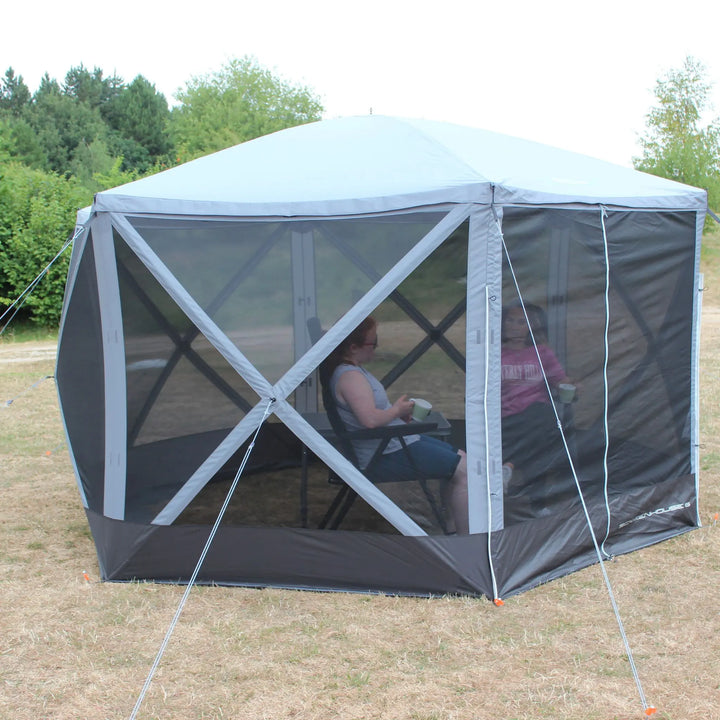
375 164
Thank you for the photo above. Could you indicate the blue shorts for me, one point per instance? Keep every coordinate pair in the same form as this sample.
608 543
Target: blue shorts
433 457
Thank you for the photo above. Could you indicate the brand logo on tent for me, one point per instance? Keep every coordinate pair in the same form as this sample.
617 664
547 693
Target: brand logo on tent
659 511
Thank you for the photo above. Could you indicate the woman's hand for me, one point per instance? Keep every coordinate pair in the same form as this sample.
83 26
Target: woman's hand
578 386
404 407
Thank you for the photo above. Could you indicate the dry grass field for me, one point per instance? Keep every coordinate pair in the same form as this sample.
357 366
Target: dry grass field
72 648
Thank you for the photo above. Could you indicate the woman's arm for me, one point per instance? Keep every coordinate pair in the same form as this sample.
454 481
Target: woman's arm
556 372
354 390
553 369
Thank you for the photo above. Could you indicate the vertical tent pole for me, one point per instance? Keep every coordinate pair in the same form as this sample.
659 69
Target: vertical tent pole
114 369
304 308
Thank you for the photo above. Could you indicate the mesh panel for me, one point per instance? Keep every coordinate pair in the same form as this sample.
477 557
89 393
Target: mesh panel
558 258
352 255
422 330
239 273
182 396
242 275
80 380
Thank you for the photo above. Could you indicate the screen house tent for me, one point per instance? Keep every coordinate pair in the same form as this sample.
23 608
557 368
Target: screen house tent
191 300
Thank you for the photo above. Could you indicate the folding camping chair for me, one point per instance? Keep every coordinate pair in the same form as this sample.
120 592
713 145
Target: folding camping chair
345 497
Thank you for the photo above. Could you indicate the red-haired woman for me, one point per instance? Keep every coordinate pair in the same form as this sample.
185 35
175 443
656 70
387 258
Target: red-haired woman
362 402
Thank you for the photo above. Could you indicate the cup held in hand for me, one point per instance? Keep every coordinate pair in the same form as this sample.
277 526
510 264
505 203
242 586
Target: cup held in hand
566 392
421 409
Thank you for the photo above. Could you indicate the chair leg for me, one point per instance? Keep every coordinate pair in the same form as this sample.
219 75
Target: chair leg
334 505
345 497
423 484
345 508
433 505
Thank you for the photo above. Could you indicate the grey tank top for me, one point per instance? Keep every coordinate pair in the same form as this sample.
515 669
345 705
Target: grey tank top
365 449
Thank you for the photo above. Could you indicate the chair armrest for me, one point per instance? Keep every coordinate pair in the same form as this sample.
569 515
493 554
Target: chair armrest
390 431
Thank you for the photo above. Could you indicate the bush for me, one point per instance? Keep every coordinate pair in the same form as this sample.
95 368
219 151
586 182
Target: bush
37 214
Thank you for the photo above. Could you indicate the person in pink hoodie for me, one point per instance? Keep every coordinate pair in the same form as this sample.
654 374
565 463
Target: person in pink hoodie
532 444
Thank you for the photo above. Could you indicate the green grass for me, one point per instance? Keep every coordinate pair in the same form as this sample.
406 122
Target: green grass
26 332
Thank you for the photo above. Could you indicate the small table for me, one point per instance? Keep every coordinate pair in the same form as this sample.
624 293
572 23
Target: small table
321 423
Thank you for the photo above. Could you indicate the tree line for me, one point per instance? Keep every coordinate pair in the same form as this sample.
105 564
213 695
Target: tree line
680 143
66 141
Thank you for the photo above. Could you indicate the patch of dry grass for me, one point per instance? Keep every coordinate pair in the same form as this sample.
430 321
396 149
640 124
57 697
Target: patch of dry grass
72 649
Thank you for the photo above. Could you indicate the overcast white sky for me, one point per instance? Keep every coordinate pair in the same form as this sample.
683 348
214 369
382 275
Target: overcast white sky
577 75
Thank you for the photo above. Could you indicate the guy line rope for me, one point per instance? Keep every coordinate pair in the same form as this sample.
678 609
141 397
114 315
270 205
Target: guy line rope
19 302
648 709
200 561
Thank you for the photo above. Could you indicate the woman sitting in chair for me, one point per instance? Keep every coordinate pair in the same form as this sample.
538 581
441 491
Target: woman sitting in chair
363 403
530 436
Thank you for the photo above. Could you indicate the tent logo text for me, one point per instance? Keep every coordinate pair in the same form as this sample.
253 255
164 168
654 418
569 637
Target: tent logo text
659 511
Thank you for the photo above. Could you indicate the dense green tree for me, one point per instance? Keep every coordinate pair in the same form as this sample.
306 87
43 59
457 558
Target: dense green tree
17 138
116 176
48 86
240 102
89 160
6 141
133 156
140 113
14 94
20 142
678 144
62 123
90 87
37 213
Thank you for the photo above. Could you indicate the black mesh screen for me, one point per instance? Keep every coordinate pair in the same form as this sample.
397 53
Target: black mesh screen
559 261
80 379
182 395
